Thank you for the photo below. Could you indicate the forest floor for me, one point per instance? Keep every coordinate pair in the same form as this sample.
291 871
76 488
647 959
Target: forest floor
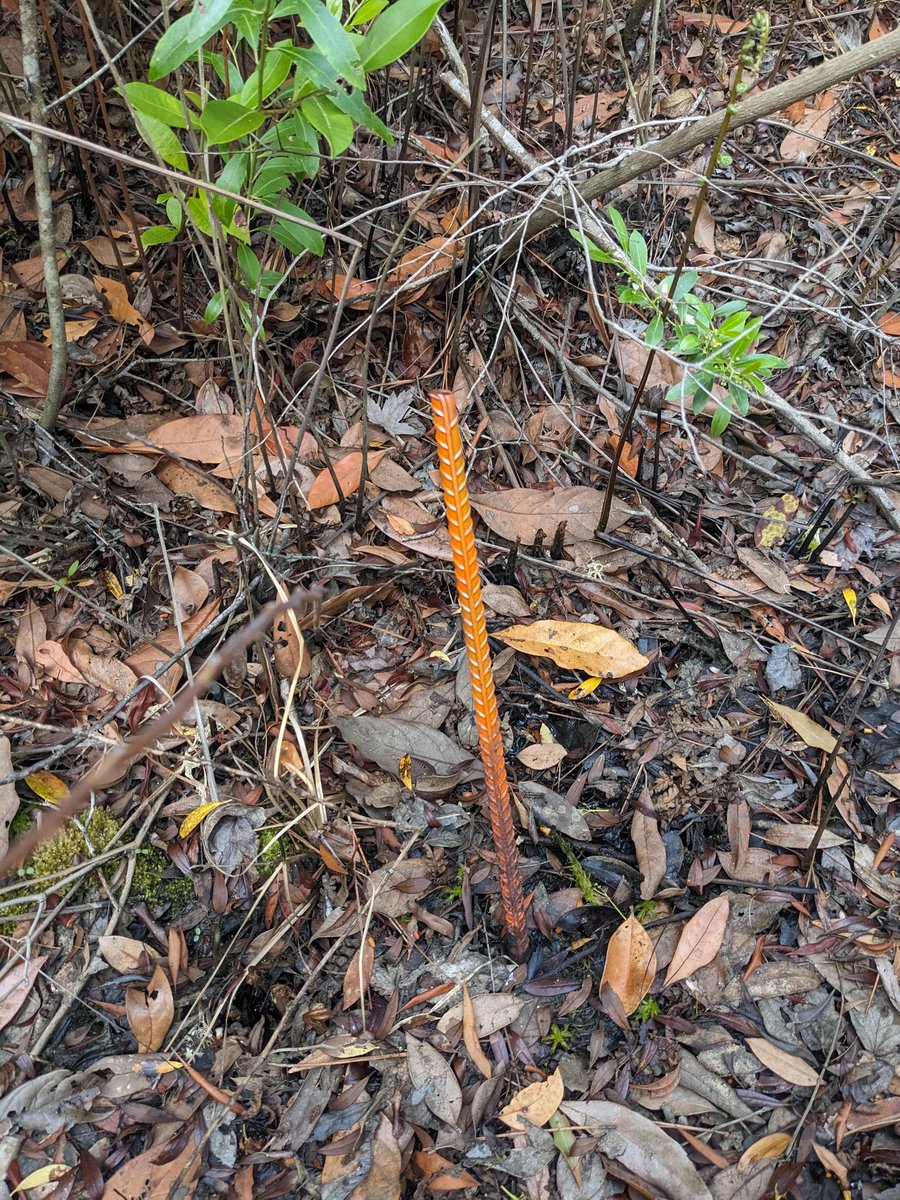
268 960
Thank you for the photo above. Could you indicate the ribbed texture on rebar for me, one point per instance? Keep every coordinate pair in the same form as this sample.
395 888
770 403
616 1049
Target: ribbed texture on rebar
498 801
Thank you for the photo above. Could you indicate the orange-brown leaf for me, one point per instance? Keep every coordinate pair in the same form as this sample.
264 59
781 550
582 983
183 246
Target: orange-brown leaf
348 471
630 964
700 940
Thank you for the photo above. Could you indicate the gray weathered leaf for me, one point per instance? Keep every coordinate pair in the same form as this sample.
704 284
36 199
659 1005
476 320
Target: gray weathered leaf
641 1147
390 415
524 512
430 1072
554 810
385 740
9 801
650 851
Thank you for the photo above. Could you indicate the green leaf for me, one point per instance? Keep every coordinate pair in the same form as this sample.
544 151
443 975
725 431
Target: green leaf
396 30
249 264
214 309
630 295
679 391
297 143
163 141
356 108
328 34
275 71
686 283
198 209
185 36
225 121
232 177
620 227
297 238
593 251
154 102
158 235
637 252
229 76
312 68
687 343
654 333
720 421
174 211
326 117
731 307
740 398
367 11
246 17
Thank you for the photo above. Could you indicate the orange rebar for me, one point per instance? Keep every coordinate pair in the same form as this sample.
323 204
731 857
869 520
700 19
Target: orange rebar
468 586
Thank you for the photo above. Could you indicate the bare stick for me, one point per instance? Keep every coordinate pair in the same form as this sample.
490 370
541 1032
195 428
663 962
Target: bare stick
40 161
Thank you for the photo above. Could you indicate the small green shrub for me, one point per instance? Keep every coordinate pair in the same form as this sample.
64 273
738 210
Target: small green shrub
717 341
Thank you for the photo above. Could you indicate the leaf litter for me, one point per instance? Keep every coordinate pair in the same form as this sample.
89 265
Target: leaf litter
268 960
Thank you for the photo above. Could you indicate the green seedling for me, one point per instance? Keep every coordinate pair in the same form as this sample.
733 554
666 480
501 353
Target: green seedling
558 1038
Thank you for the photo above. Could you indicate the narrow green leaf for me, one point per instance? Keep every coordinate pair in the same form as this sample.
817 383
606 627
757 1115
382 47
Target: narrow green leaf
326 117
214 308
686 283
356 108
249 264
297 238
154 102
225 121
185 36
720 421
328 34
275 71
637 252
232 177
367 11
198 208
164 141
396 30
654 333
620 227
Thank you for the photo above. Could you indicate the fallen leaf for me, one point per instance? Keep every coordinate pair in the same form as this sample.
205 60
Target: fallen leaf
441 1175
150 1011
120 307
386 740
492 1012
203 438
809 731
638 1143
29 365
593 649
536 1103
470 1036
630 964
801 837
807 138
889 322
126 954
158 1173
56 663
16 984
542 756
208 493
196 816
788 1067
359 972
772 527
650 851
700 940
9 800
832 1163
591 111
520 514
47 786
430 1073
349 474
719 21
46 1174
772 1145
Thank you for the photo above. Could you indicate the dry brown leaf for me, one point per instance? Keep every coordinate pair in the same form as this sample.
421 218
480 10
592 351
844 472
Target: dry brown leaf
803 142
788 1067
147 659
204 438
588 111
158 1173
810 731
889 322
523 513
125 954
492 1012
290 652
359 972
542 756
470 1036
720 22
441 1175
630 964
773 1145
801 837
349 473
120 307
536 1103
56 663
650 851
209 494
832 1163
100 670
16 985
700 940
29 365
594 649
150 1011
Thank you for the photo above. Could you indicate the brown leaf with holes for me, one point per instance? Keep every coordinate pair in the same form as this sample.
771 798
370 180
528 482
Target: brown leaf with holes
150 1011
